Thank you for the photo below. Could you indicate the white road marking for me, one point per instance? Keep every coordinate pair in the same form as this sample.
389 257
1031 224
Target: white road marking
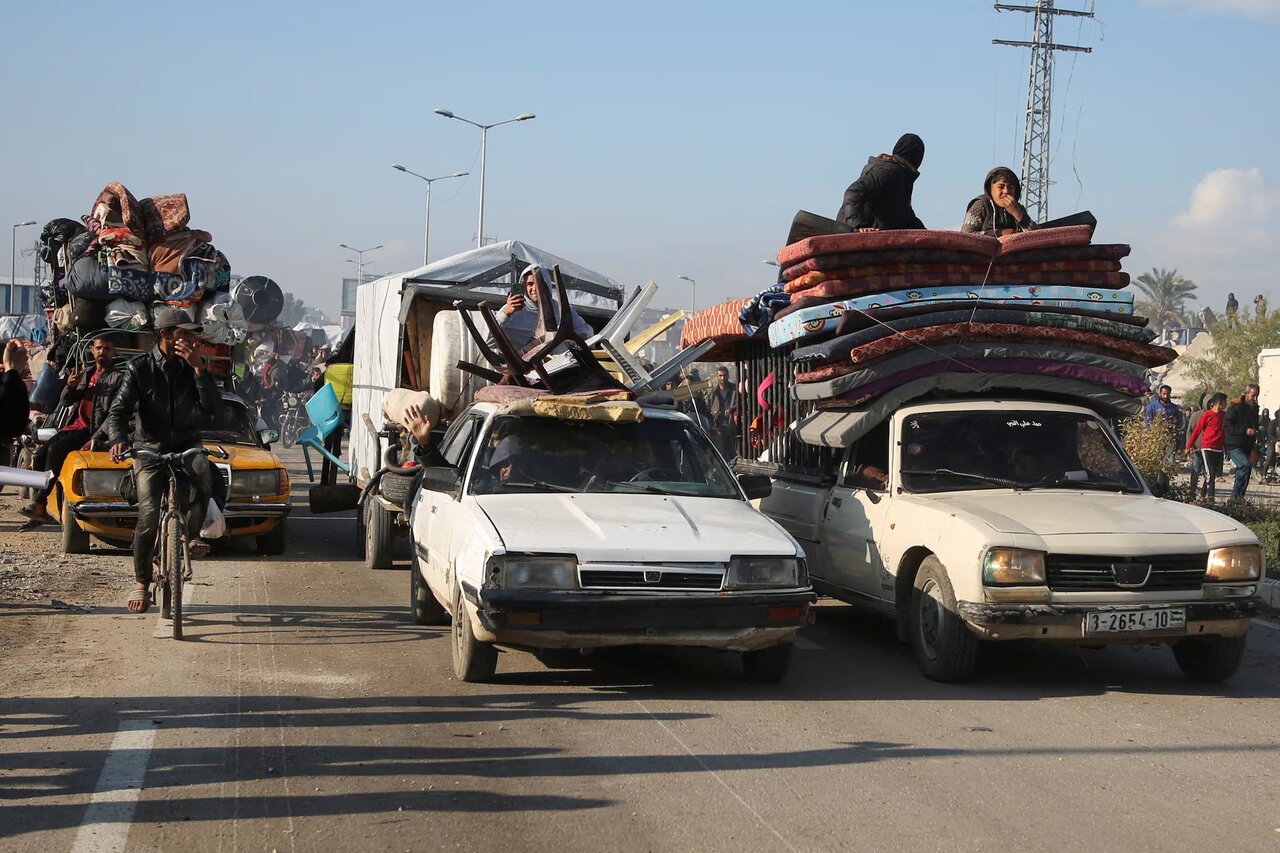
1274 626
106 822
805 644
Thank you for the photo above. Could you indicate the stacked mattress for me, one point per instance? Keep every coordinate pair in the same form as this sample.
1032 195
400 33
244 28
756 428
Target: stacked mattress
871 312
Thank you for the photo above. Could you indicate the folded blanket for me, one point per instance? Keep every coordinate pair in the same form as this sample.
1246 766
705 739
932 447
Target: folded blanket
835 349
133 284
809 316
115 206
168 254
891 365
163 215
760 309
954 241
1036 367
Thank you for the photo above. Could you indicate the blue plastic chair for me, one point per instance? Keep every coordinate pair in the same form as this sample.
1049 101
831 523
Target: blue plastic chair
326 419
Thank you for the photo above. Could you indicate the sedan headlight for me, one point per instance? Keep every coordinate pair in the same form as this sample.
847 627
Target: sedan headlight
521 572
273 481
1236 563
1013 567
762 572
101 483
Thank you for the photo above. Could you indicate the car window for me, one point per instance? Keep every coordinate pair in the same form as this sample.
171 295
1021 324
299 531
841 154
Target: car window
867 465
231 424
457 442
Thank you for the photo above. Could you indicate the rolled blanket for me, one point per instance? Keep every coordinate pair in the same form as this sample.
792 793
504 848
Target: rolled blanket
163 215
115 206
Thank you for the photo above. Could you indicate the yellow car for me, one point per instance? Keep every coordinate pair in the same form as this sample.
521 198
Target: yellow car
251 486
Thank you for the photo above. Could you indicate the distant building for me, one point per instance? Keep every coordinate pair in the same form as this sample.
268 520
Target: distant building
19 296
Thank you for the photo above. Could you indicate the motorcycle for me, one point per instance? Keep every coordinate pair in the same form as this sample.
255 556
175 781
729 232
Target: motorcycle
294 420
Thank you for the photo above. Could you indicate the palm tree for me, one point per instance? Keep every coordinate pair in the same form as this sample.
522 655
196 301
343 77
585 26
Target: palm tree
1165 294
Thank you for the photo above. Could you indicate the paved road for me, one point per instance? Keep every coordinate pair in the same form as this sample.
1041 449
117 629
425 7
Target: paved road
306 712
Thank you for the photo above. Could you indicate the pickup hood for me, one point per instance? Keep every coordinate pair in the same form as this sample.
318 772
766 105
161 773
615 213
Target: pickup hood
634 528
1061 512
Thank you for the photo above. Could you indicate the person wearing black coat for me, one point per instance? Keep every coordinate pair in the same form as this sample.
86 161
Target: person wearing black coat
880 200
1241 427
15 405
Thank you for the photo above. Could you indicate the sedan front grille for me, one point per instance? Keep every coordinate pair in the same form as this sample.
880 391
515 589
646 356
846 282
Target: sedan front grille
1088 573
656 578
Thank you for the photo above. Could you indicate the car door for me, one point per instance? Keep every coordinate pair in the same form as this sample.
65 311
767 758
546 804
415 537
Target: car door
436 513
855 509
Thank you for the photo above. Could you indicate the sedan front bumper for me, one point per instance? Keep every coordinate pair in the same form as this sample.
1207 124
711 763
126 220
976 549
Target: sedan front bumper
572 619
117 509
1227 618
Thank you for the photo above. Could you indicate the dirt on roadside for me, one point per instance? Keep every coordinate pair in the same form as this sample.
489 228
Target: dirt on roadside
36 576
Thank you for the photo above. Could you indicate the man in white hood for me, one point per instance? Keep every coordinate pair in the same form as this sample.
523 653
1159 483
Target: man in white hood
521 320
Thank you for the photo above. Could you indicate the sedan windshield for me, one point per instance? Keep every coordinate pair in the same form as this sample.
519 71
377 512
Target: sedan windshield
955 451
231 424
657 456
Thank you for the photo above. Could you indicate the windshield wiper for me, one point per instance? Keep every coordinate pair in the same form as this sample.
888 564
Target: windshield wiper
986 478
540 484
652 489
1066 482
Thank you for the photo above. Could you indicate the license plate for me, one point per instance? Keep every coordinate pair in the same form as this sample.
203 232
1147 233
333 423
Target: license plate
1134 621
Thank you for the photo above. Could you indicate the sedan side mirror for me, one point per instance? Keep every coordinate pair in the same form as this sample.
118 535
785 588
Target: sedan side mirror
756 486
268 436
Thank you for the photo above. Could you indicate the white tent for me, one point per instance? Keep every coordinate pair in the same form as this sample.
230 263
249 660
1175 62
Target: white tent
492 270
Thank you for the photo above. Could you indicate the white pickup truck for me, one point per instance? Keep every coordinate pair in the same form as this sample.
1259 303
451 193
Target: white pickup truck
542 534
971 520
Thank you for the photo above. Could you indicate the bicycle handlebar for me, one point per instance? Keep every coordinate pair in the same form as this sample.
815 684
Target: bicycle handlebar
183 456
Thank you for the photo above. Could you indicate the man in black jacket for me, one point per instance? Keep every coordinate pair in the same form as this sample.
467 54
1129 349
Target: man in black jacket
15 405
880 200
90 392
1241 427
160 403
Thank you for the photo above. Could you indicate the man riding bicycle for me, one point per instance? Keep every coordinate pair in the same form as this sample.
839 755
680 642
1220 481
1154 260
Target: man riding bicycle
159 405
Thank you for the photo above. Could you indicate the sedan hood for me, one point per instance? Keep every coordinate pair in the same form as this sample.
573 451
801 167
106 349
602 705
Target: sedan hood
1063 512
634 528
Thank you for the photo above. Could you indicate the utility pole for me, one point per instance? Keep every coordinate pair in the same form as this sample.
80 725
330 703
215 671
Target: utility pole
1035 135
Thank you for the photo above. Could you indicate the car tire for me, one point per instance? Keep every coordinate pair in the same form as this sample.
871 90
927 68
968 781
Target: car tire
1209 659
946 650
377 535
426 610
767 666
275 540
75 540
473 660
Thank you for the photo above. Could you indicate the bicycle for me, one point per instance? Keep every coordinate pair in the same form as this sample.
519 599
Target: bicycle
172 554
294 420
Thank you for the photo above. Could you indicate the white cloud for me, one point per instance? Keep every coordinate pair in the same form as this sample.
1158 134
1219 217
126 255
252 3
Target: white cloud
1267 11
1231 200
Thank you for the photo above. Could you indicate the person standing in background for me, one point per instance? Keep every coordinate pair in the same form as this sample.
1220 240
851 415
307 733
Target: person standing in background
15 405
1241 434
722 406
1233 308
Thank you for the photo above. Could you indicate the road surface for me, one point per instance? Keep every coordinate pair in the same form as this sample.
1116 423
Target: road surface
305 711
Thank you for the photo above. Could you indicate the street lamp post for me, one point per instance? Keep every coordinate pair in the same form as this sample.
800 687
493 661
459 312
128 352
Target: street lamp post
13 260
693 290
360 253
426 228
484 145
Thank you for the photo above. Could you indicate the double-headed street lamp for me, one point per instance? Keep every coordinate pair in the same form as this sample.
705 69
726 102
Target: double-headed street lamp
693 291
426 228
360 253
13 259
484 143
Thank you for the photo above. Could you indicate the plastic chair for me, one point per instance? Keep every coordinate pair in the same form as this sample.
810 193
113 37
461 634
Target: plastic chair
326 419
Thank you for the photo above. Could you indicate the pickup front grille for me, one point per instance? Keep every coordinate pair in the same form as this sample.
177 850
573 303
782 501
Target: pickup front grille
1088 573
657 578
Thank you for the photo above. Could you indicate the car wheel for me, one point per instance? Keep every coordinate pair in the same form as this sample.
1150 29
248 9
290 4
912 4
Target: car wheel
275 540
767 666
945 649
426 610
377 535
1209 659
472 660
74 538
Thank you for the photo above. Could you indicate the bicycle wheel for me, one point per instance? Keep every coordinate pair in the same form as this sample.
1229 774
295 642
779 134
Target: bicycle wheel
175 563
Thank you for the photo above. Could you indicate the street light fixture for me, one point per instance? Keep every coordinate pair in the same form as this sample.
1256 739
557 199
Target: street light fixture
693 291
484 145
360 253
13 259
426 228
770 263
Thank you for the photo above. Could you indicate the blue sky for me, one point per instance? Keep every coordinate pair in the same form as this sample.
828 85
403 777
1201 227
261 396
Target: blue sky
670 139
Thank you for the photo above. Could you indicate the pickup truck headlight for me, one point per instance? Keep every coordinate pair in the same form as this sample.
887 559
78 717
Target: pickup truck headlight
246 484
1013 567
762 572
1236 563
517 572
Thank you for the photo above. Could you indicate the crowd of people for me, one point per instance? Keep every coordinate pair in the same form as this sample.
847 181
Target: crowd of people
1218 430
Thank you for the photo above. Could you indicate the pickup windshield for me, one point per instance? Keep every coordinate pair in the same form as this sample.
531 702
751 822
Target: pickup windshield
966 450
524 455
